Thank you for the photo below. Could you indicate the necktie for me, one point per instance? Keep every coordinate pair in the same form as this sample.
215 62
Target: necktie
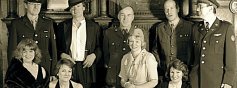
172 27
34 23
207 26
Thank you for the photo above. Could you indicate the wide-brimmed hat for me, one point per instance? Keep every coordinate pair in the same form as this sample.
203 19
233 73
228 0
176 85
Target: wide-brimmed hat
74 2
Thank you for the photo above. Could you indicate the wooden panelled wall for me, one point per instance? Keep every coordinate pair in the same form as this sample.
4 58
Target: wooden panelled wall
147 14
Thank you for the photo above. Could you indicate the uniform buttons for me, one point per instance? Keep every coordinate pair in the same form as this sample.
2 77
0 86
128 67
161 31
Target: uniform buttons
36 41
172 53
23 36
36 35
124 49
217 41
204 41
203 62
112 43
222 67
46 36
203 48
203 55
124 41
172 46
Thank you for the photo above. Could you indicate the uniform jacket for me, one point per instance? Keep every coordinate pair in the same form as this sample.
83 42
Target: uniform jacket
170 45
43 35
214 55
115 45
18 76
64 39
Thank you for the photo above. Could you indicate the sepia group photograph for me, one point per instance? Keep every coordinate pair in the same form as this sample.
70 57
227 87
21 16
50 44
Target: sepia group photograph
118 44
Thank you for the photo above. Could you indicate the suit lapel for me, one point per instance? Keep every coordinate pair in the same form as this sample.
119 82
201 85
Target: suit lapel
202 29
89 34
27 22
167 28
39 24
68 33
179 26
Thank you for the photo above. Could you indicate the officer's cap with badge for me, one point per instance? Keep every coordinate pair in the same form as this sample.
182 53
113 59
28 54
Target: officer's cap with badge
210 2
34 1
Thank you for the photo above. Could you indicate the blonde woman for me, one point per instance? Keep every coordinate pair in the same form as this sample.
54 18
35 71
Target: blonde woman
138 67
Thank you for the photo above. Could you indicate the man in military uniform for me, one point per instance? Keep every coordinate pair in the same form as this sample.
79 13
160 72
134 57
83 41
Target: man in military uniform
38 28
214 64
115 45
172 38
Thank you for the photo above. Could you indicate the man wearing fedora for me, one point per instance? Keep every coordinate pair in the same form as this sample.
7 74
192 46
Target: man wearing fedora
79 38
38 28
214 61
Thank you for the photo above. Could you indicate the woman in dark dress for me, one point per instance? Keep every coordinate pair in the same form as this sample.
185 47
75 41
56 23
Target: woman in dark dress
177 74
64 73
24 70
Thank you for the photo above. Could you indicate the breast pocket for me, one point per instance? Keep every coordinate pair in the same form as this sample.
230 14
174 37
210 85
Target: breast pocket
45 34
218 40
183 45
21 36
44 37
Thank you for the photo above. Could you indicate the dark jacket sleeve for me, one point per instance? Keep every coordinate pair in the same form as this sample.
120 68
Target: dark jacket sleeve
10 78
230 57
106 47
156 46
52 48
60 39
12 40
98 45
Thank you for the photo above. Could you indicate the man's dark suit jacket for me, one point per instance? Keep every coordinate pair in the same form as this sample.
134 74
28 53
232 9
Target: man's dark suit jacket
64 39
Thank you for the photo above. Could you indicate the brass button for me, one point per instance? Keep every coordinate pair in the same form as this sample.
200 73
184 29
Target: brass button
204 41
204 48
124 49
36 42
203 62
203 55
36 35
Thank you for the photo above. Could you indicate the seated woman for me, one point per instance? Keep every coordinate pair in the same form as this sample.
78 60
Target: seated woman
138 67
24 70
64 73
177 73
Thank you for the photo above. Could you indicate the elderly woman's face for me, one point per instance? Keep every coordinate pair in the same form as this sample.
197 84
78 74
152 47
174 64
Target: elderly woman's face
175 75
28 54
65 73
